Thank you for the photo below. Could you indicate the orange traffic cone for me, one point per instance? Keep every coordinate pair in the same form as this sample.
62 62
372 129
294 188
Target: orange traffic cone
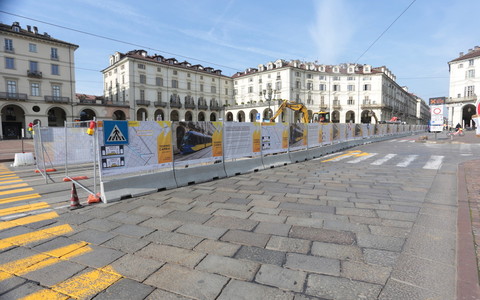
74 202
92 198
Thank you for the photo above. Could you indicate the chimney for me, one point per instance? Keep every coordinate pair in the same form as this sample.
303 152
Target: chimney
29 28
470 50
461 54
35 29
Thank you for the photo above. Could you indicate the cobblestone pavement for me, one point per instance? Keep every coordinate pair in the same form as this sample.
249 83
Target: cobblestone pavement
310 230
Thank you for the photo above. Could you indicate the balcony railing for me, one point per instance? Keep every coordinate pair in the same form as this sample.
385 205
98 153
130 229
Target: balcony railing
13 96
461 99
88 101
115 103
215 107
175 104
203 106
142 102
57 99
160 104
34 74
370 105
323 107
190 105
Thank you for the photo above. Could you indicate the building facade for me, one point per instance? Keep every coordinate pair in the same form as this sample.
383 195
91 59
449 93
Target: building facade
159 88
38 80
350 92
463 87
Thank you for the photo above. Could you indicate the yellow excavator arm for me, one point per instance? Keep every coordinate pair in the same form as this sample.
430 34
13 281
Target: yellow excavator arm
293 106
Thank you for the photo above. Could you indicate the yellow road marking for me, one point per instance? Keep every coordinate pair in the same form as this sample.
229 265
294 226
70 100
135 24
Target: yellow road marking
16 191
84 285
12 186
349 153
28 220
8 176
42 260
6 172
10 181
19 198
26 238
45 294
23 208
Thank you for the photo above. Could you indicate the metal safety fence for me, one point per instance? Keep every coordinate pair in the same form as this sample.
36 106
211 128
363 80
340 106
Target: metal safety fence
69 149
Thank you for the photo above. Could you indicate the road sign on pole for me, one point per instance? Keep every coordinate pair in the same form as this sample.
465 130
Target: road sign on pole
436 117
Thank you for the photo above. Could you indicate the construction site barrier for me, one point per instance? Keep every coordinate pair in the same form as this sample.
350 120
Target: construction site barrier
134 158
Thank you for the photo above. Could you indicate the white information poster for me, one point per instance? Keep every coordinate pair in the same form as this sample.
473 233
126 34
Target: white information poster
274 138
315 135
241 140
327 131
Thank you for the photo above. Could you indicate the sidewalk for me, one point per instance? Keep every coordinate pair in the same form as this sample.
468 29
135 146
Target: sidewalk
468 253
8 148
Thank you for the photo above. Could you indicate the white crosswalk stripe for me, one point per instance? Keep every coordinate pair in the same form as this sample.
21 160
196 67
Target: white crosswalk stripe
361 158
408 160
434 162
383 160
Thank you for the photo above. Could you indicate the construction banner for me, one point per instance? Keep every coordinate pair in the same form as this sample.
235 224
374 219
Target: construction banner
197 142
134 146
298 137
274 138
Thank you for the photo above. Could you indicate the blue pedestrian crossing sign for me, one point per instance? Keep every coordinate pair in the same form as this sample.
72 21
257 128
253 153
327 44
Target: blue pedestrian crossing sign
115 132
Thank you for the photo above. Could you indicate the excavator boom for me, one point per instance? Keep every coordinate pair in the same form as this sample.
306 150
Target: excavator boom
293 106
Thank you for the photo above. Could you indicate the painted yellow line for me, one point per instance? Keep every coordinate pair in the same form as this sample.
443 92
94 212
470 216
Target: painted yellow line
9 181
16 191
12 186
7 176
23 208
42 260
19 198
45 294
39 235
84 285
28 220
6 172
349 153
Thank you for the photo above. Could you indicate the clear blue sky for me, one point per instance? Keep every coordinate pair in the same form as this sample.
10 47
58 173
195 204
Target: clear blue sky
238 34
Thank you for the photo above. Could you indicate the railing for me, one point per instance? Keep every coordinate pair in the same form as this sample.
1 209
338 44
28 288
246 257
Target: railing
57 99
461 99
175 104
111 103
367 105
88 101
190 105
160 104
34 74
142 102
215 107
13 96
203 106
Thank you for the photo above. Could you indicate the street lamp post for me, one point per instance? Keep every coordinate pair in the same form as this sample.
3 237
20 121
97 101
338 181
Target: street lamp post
267 94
